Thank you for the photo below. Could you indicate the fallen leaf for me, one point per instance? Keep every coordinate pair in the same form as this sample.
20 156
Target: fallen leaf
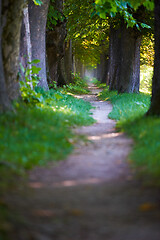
147 207
43 213
75 212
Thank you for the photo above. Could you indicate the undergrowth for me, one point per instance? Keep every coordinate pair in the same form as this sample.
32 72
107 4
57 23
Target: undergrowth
78 86
38 131
97 83
129 110
35 135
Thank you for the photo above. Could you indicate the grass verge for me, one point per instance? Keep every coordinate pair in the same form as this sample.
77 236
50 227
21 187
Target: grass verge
35 135
78 86
129 110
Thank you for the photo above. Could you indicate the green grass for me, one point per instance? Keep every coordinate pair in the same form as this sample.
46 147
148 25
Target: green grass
96 82
36 135
72 88
129 110
39 131
78 86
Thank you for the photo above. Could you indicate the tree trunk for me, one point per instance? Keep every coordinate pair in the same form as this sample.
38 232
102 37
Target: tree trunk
79 68
38 18
129 74
114 58
68 61
55 43
95 73
155 101
102 68
25 43
4 100
65 66
62 77
99 72
12 17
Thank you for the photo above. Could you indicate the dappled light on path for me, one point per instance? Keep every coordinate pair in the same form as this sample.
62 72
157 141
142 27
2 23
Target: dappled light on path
67 183
103 136
92 195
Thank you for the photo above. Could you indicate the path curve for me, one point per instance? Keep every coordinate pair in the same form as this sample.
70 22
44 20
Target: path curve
101 159
90 196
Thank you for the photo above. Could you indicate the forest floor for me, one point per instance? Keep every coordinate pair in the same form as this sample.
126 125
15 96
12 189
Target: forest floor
92 195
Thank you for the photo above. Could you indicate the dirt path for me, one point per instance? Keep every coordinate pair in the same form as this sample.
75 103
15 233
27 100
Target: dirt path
90 196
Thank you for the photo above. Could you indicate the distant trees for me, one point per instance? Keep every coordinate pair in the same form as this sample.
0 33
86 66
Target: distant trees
126 29
112 42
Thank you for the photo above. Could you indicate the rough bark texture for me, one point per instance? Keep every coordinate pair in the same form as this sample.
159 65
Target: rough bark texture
55 44
155 102
4 100
38 18
25 45
61 72
102 68
65 66
114 58
68 60
129 74
12 18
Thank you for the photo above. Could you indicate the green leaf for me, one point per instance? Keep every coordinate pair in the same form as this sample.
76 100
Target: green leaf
102 15
27 72
35 61
37 2
35 70
143 25
58 96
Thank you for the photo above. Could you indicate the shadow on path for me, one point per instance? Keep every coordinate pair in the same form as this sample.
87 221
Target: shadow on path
90 196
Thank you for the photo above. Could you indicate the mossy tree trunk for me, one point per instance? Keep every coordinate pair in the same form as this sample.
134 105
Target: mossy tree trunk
38 19
12 16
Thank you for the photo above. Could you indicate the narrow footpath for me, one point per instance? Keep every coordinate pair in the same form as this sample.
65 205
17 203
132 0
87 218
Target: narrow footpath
93 195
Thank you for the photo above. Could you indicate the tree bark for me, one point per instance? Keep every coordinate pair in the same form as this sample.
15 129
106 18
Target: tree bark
12 18
25 44
38 18
79 67
155 101
26 47
102 68
129 73
114 58
61 72
5 103
56 43
68 60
